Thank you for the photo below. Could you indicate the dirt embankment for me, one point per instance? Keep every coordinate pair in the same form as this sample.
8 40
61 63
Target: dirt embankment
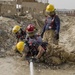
67 38
17 66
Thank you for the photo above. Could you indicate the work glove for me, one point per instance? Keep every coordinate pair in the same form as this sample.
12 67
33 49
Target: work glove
56 35
33 59
42 35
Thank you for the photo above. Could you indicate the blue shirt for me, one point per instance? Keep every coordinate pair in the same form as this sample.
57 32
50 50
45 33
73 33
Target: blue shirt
53 23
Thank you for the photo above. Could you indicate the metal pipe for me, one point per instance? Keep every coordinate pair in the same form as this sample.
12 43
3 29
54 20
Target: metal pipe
31 68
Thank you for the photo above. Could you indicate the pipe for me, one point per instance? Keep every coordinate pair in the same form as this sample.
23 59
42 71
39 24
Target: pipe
31 68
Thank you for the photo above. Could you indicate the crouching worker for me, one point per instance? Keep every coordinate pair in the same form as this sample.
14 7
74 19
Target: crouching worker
19 33
33 45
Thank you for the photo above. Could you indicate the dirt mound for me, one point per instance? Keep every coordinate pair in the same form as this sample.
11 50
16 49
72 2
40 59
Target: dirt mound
7 39
67 37
56 55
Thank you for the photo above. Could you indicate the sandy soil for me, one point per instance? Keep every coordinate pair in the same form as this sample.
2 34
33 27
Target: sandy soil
15 66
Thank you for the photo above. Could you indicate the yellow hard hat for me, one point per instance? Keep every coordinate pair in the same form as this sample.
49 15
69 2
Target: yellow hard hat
20 46
50 8
16 29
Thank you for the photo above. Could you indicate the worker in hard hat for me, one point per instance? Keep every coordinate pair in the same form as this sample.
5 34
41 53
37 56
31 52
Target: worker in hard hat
19 32
33 44
51 28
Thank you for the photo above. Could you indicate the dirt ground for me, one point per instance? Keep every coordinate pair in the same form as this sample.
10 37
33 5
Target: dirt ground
14 66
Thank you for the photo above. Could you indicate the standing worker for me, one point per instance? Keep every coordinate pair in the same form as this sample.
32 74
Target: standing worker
51 28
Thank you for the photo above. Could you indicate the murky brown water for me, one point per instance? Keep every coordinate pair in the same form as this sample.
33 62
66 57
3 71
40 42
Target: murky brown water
14 66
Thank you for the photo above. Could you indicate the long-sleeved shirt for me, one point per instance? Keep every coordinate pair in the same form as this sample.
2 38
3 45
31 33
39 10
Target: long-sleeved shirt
52 23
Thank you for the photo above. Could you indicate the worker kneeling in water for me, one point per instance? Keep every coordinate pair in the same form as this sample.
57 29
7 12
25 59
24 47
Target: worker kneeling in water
33 44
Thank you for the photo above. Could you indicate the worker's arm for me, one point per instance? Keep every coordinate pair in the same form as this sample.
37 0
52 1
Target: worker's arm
57 22
43 30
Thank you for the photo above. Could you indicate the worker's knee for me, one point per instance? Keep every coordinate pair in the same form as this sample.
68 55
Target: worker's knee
41 50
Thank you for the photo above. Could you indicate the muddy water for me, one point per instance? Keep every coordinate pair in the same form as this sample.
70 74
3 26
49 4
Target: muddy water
14 66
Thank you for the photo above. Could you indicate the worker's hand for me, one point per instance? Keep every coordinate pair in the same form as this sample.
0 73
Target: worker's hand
41 35
56 32
36 60
32 59
57 36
